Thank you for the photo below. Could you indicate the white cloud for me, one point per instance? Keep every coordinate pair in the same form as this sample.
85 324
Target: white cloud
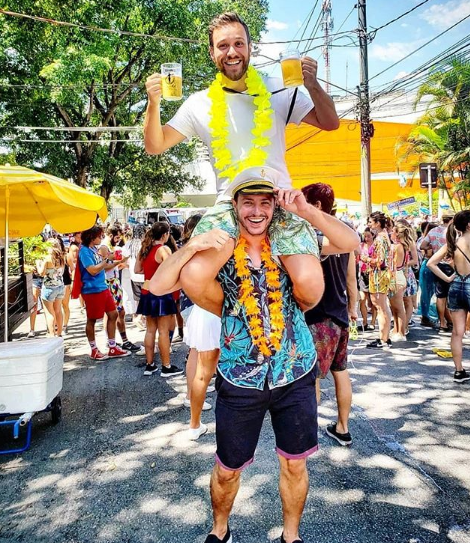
393 51
404 25
400 75
445 15
275 25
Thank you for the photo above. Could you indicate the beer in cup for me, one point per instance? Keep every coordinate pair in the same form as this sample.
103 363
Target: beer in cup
172 81
291 67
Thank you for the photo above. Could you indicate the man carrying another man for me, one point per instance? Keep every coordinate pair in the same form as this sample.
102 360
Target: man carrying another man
268 357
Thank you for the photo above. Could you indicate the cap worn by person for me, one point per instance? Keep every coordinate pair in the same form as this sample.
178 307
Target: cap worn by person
256 180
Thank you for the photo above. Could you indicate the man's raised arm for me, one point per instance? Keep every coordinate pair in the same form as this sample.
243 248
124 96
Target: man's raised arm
194 268
157 138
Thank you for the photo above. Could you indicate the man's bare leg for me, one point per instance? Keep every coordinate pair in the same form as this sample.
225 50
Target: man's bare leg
343 390
293 488
306 274
206 364
224 488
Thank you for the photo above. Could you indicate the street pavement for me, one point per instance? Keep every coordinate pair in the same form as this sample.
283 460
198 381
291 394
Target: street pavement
118 468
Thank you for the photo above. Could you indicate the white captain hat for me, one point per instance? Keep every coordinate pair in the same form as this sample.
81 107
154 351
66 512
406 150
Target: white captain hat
255 180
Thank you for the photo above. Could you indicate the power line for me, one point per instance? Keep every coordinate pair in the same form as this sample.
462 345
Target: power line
56 22
419 48
98 29
374 32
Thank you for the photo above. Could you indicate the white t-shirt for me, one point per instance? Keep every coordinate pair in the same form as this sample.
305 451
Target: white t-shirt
192 120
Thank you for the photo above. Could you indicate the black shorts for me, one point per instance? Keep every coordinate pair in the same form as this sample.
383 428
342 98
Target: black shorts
240 412
442 287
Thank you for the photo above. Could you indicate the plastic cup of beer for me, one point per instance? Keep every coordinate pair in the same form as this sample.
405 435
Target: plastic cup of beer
291 67
172 81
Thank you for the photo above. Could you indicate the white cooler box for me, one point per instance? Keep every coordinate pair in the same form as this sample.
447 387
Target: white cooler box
31 374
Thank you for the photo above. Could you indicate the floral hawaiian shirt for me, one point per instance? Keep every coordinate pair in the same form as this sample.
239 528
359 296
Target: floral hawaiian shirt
240 362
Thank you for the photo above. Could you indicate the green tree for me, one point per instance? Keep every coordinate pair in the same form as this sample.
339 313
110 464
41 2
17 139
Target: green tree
442 133
70 77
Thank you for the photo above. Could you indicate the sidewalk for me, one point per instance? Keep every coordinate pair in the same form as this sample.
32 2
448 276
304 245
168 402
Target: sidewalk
118 468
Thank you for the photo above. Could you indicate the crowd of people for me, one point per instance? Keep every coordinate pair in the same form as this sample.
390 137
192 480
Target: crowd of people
267 282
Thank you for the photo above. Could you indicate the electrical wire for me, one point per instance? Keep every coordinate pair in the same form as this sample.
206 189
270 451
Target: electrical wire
98 29
419 48
132 34
374 32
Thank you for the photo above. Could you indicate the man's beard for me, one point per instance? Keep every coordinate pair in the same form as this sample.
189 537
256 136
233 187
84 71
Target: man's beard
237 75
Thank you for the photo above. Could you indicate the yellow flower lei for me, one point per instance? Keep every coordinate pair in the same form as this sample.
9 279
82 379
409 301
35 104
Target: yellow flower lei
248 299
218 125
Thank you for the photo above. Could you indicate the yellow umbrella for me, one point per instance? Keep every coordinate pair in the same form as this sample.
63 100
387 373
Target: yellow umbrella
29 200
35 199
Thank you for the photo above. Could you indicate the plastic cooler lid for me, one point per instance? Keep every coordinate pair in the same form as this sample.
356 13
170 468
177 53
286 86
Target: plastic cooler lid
32 347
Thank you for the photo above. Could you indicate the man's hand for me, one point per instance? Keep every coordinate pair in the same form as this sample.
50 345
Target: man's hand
153 86
214 239
292 200
309 71
352 313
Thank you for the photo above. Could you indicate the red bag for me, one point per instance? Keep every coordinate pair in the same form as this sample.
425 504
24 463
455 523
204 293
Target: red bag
77 280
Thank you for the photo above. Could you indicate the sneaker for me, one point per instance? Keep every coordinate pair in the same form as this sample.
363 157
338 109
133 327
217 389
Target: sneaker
211 538
117 352
31 334
205 406
129 346
398 337
296 541
141 351
196 433
342 439
368 328
427 322
150 369
411 323
96 354
378 344
461 376
177 339
169 371
210 388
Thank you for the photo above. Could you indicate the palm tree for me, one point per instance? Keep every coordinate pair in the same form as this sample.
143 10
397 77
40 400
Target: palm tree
442 133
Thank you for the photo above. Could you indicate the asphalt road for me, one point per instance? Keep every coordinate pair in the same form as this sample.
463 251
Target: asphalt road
118 467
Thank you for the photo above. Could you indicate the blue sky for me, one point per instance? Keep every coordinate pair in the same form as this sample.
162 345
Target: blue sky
390 45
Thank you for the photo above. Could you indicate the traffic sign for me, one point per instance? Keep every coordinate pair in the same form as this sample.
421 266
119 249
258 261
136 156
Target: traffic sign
427 171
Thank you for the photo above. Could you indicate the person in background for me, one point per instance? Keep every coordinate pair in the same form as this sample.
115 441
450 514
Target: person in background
52 291
159 310
329 320
364 296
427 279
456 249
67 277
434 240
36 291
380 277
94 290
202 335
110 250
411 290
132 282
75 244
402 242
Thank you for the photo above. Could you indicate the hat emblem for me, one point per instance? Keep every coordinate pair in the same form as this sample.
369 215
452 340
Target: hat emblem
263 173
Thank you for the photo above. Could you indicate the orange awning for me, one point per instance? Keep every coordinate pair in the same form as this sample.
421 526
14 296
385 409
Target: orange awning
317 156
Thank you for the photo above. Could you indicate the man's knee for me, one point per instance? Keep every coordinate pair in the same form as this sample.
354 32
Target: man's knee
293 467
112 315
223 476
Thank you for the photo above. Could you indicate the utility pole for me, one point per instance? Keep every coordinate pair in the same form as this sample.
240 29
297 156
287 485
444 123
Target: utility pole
327 25
367 128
